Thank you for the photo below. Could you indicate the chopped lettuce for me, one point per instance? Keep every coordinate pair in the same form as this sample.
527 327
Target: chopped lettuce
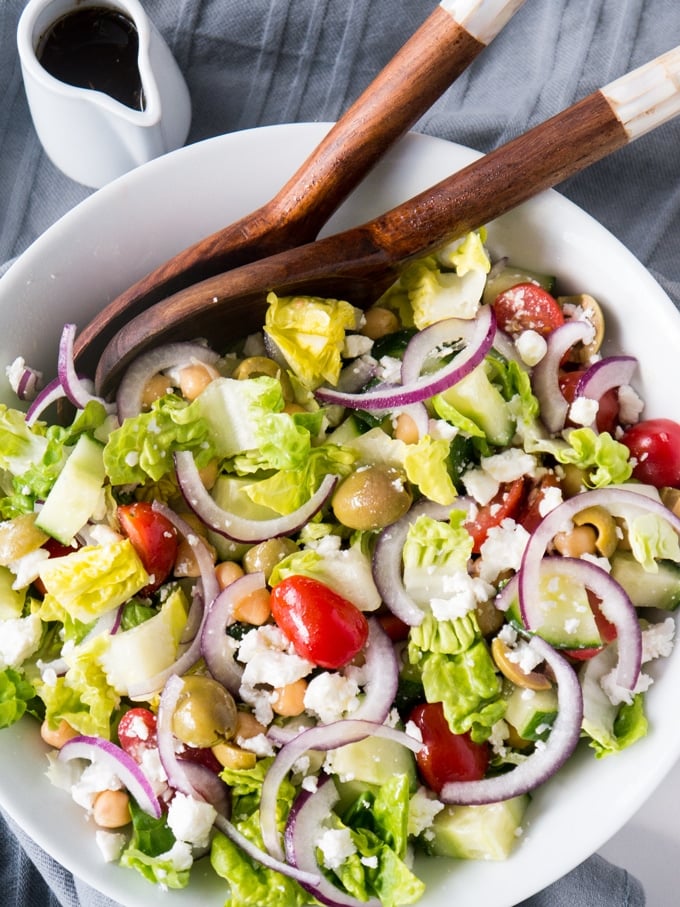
457 670
150 851
15 693
652 538
91 581
605 460
432 553
426 465
476 406
142 448
609 727
310 333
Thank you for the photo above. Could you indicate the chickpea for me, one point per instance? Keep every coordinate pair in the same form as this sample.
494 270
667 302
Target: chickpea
581 540
58 736
406 429
262 558
372 497
254 608
248 726
209 473
289 701
227 573
379 322
111 809
205 713
194 378
156 387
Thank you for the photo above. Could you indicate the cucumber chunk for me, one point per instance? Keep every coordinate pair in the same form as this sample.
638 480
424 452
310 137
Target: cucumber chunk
510 276
75 495
531 712
645 589
476 398
568 621
487 832
373 760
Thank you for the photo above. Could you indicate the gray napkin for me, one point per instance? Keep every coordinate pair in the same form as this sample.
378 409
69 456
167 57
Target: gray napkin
257 62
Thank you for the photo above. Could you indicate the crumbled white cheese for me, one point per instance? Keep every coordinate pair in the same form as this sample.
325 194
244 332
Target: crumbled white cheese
356 345
152 766
270 658
191 820
630 405
110 844
510 464
331 696
26 569
531 347
179 856
551 497
95 778
336 846
389 370
502 550
657 640
480 485
19 638
259 744
583 411
499 734
423 807
463 593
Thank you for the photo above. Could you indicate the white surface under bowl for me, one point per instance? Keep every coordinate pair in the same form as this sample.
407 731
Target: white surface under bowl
120 233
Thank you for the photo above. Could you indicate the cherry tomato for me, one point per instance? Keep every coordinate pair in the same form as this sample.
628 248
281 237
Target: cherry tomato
608 411
505 504
55 549
395 628
655 445
323 626
605 628
445 756
531 515
201 756
137 732
526 307
153 537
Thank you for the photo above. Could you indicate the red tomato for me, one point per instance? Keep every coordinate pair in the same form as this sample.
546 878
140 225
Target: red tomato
55 549
525 307
505 504
153 537
137 732
608 412
531 514
606 629
395 628
201 756
445 756
655 445
323 626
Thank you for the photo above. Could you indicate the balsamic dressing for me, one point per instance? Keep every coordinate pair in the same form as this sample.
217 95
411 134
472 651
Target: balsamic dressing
95 48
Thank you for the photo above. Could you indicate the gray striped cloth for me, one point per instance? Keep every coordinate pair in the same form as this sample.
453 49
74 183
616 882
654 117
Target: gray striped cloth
258 62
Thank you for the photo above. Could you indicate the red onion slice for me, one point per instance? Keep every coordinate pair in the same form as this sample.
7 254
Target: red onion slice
77 391
177 771
415 388
615 605
381 670
303 829
47 396
324 737
96 749
135 379
29 383
615 371
233 526
554 407
547 758
387 558
215 648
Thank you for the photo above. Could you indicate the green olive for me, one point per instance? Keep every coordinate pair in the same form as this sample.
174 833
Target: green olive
257 366
205 714
266 555
372 497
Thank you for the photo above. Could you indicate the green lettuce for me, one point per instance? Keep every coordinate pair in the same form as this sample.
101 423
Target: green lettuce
142 448
426 465
457 670
604 460
310 332
610 728
149 850
15 694
652 538
476 406
434 550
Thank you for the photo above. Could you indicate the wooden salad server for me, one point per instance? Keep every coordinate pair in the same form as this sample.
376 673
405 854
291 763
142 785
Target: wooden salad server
446 43
358 264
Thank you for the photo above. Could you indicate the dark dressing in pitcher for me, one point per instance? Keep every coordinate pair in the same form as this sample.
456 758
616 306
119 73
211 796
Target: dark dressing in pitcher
95 48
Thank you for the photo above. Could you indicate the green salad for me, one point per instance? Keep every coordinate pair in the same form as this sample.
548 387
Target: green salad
347 592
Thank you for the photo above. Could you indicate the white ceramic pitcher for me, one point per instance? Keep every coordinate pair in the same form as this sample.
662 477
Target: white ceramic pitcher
87 134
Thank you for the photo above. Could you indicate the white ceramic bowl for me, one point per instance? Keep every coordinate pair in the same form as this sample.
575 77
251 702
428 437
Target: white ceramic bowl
119 234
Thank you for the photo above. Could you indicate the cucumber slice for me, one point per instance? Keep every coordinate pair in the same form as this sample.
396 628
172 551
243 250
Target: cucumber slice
510 276
476 398
373 761
568 621
76 494
486 832
645 589
531 712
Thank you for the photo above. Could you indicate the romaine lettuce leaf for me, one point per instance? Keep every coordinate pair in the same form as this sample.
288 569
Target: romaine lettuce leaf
610 728
426 465
15 693
432 552
150 850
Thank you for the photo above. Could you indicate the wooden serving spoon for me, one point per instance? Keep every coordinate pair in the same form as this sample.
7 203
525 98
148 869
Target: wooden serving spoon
358 264
447 42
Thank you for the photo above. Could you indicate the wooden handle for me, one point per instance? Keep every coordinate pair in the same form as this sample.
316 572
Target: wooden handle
439 51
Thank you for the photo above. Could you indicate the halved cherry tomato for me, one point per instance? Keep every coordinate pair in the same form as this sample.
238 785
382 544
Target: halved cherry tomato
531 515
323 626
605 628
445 756
608 410
506 503
137 732
527 307
153 537
655 445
